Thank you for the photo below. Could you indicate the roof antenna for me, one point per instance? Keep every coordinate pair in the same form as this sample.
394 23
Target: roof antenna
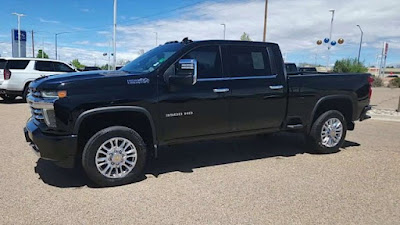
186 40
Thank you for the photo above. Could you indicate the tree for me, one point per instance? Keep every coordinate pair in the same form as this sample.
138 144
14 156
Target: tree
42 54
245 37
349 66
104 67
77 64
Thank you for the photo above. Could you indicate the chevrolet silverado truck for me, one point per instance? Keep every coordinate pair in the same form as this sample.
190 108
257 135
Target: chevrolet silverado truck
111 122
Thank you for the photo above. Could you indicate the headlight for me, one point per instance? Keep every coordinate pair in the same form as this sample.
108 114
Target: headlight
49 117
54 94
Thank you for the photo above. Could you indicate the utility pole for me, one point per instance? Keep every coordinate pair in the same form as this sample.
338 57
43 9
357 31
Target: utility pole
33 46
265 21
330 37
359 50
224 29
114 36
19 15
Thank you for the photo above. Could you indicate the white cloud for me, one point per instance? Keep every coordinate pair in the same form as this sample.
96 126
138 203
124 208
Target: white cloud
81 42
49 21
85 10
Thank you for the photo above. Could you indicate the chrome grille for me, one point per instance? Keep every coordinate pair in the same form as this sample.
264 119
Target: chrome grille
34 93
37 113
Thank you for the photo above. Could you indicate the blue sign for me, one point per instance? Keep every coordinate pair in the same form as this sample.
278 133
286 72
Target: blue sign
23 35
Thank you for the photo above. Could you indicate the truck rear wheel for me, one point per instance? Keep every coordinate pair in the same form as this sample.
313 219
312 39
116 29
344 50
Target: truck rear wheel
328 132
114 156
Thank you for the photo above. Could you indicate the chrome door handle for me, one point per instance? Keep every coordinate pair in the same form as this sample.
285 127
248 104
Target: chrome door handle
220 90
276 87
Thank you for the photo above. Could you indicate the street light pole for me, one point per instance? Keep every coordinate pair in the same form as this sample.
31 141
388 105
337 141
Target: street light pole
224 29
56 34
359 50
114 36
19 15
330 36
265 21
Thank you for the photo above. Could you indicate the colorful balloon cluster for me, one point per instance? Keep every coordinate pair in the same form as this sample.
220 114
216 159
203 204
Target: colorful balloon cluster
333 42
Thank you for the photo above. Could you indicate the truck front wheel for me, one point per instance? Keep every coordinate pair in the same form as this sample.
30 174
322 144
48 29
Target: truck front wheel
114 156
328 132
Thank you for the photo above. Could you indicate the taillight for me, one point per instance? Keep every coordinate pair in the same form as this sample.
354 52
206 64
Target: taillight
7 74
370 81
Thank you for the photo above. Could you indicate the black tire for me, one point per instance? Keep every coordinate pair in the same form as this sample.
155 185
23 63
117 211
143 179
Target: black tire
25 92
90 150
315 140
8 98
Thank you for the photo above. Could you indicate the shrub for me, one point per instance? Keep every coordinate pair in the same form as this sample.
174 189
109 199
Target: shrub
349 66
378 82
395 82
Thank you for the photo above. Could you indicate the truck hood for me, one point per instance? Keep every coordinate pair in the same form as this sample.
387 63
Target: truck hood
54 81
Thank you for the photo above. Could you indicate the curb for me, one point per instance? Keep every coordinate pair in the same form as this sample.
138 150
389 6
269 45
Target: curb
384 117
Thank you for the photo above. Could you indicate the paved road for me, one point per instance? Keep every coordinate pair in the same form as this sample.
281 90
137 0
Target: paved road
253 180
385 98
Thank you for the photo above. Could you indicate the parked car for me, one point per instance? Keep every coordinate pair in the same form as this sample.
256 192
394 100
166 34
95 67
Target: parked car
308 69
291 68
112 122
18 73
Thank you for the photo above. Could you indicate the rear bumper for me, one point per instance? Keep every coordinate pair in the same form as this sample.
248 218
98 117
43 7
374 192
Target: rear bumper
363 115
60 149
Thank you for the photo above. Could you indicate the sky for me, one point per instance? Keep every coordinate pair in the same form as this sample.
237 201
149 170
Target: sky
295 25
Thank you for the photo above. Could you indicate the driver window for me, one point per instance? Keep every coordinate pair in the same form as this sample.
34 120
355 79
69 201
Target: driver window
208 61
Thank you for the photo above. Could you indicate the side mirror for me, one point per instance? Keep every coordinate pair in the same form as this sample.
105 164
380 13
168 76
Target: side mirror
185 73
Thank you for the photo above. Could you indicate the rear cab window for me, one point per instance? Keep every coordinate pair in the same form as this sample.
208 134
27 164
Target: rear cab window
248 61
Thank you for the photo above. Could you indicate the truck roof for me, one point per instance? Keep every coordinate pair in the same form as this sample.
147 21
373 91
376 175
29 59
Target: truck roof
230 42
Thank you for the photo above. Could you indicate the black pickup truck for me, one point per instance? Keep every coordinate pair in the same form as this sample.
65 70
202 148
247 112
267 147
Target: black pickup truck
110 122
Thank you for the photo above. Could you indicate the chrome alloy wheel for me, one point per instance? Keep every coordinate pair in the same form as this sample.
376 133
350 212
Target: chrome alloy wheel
116 157
331 132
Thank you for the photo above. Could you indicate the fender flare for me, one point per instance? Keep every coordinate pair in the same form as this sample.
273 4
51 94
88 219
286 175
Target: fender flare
100 110
330 97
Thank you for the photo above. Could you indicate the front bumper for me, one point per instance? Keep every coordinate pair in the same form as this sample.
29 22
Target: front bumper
60 149
364 115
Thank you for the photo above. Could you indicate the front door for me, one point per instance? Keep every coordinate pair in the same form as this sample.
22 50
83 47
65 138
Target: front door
199 109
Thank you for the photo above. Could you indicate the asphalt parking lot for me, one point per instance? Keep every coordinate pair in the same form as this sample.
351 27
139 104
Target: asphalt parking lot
251 180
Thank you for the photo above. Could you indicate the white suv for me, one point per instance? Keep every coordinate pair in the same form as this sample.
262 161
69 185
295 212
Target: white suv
17 73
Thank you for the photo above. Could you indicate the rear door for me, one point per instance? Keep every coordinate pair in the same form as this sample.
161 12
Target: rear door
44 68
257 87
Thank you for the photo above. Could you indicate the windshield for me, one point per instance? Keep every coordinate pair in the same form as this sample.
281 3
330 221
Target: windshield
152 59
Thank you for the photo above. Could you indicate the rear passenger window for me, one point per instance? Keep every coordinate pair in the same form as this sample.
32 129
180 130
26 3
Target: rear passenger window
61 67
208 61
44 66
249 61
17 64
